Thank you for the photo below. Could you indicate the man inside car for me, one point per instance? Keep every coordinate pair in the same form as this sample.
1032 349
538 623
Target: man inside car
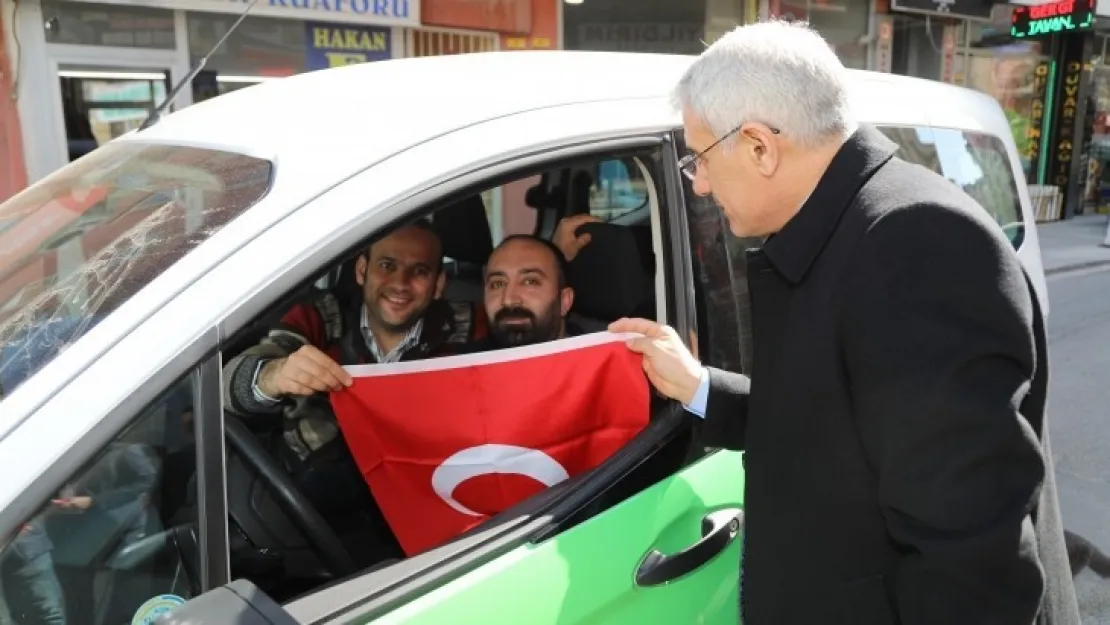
392 313
527 297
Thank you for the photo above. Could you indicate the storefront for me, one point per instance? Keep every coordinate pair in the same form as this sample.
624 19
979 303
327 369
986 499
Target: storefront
90 71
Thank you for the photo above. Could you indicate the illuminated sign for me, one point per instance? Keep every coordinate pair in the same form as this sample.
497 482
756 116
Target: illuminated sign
1051 18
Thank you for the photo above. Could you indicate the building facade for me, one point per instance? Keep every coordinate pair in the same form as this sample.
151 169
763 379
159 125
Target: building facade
77 73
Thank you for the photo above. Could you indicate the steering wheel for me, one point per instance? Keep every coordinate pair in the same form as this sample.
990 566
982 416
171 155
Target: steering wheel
320 536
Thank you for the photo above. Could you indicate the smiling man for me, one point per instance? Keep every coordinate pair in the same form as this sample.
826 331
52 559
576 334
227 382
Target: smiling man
391 313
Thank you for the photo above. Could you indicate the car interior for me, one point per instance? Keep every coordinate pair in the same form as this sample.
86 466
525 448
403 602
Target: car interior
277 539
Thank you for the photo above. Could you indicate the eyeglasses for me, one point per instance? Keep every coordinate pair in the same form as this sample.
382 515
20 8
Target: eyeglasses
689 163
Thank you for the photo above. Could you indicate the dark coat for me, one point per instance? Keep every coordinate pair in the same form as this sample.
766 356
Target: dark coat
897 468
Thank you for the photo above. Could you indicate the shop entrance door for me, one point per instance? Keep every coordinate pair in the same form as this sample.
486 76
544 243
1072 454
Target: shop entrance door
102 93
100 104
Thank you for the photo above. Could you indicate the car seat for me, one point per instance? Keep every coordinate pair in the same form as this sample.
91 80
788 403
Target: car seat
463 227
609 279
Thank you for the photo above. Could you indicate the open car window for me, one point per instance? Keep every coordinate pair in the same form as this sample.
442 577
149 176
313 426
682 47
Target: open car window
616 275
80 244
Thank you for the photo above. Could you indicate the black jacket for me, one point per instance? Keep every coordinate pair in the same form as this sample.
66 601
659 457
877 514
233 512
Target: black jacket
897 465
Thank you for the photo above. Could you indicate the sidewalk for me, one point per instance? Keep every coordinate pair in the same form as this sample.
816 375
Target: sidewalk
1073 243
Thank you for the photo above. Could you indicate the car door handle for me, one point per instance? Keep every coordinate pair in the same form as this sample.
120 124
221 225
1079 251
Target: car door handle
718 530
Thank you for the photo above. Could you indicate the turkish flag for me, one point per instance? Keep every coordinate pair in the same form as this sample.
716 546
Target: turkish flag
446 443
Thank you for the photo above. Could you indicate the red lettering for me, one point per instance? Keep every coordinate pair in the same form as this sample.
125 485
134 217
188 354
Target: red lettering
1043 11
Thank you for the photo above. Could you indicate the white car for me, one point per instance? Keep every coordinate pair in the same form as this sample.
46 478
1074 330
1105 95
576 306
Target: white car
128 278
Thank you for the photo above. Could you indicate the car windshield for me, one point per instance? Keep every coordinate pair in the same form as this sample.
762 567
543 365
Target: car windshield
80 243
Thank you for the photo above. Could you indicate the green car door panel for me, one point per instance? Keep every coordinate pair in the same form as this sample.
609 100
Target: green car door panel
588 574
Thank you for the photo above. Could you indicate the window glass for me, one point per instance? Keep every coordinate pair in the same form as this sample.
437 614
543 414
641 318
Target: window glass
262 48
77 245
612 276
96 24
976 162
616 191
119 533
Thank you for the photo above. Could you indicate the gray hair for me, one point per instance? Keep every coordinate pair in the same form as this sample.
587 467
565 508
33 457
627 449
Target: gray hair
778 73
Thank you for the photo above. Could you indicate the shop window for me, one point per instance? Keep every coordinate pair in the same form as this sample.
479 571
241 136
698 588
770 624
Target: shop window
976 162
95 24
1011 79
263 48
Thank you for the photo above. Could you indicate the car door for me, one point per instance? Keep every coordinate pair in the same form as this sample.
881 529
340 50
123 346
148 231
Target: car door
669 553
624 544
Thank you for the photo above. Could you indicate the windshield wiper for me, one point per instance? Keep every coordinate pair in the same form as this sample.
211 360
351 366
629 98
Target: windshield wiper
156 115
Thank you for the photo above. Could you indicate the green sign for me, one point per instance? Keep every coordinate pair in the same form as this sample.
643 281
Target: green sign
1051 18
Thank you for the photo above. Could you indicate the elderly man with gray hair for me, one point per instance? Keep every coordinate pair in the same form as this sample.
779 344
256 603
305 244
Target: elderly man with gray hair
896 451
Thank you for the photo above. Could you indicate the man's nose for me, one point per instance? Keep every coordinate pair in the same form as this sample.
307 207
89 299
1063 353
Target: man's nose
701 184
510 296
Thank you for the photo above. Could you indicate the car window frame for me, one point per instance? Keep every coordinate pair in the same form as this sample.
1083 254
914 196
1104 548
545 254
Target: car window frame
379 590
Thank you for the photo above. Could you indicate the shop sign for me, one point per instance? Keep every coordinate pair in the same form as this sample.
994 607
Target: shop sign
336 45
1036 116
392 12
1052 18
884 51
544 33
1065 123
1066 166
948 57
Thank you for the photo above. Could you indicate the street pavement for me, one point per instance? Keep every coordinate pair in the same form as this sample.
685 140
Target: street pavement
1074 243
1078 268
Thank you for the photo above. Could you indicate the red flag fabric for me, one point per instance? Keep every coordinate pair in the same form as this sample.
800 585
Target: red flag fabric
446 443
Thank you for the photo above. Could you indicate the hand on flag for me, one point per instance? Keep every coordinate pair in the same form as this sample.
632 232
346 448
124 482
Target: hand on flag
670 367
304 372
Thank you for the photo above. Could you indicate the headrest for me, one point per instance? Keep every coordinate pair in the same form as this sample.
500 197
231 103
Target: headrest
574 194
607 275
464 229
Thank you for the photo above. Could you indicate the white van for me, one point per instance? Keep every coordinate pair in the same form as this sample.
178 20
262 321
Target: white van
128 279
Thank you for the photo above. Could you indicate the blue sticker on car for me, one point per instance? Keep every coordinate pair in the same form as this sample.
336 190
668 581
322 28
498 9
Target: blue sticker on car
154 608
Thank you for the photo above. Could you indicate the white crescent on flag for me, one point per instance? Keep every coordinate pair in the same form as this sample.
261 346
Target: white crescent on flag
490 459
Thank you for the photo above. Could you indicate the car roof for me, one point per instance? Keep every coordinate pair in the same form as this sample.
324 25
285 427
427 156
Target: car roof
361 114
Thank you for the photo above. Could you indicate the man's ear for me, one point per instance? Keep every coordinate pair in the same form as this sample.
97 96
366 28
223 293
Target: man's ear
764 150
441 283
360 269
566 300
